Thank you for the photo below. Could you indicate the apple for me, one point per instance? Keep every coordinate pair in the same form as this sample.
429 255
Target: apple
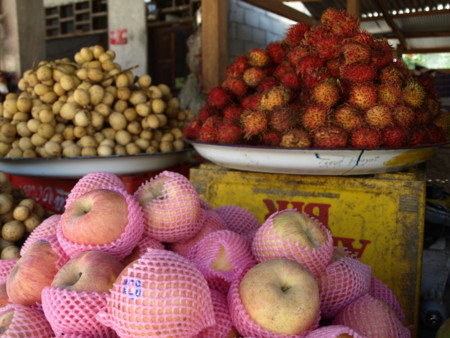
371 317
336 331
88 271
32 272
239 220
171 207
6 319
46 228
160 293
298 236
97 217
4 300
22 321
379 290
275 297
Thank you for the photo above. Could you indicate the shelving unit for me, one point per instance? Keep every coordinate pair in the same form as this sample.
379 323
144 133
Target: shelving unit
75 19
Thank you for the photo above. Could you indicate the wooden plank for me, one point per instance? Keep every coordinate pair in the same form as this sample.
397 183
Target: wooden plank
353 7
214 41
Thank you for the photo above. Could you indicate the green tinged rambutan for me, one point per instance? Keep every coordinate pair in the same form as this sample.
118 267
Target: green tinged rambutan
330 137
274 97
295 138
254 122
313 117
363 95
259 57
414 93
326 93
404 116
347 117
355 53
379 116
389 94
253 76
391 74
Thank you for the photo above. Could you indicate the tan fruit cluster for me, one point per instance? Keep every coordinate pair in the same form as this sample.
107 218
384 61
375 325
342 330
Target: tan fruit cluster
89 107
19 216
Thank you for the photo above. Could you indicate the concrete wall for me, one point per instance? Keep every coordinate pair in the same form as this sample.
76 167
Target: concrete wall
251 27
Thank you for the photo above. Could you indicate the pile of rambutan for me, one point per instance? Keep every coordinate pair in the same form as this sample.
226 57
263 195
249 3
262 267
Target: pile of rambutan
333 85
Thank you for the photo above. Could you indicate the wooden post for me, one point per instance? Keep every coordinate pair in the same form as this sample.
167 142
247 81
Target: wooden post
214 41
353 7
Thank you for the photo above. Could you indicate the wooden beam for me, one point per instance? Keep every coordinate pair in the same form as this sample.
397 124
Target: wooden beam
214 41
281 9
409 15
391 23
353 7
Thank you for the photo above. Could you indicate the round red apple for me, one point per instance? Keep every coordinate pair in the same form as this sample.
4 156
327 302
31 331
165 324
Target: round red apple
22 321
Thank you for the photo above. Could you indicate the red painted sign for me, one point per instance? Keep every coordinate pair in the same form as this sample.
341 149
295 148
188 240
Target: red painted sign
118 37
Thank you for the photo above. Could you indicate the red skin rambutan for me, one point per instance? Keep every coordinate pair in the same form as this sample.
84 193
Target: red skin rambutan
274 97
235 85
254 122
206 111
259 57
328 46
347 117
417 136
340 22
253 76
391 74
267 83
290 80
365 137
326 93
309 63
295 138
276 51
393 136
208 131
363 95
333 67
389 94
422 116
251 101
364 37
271 138
218 97
283 118
382 53
229 132
413 93
355 53
233 112
428 82
295 54
315 76
435 134
296 33
432 105
237 67
442 120
358 73
379 116
330 137
404 116
282 69
313 117
192 130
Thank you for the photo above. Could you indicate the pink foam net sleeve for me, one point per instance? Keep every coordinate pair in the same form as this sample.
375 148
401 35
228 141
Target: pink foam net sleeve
159 294
6 266
46 228
379 290
239 220
121 247
334 331
27 322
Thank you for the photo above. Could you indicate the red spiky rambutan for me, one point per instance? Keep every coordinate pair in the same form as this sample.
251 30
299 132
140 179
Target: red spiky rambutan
309 63
254 122
364 37
251 101
432 105
276 51
274 97
296 54
328 47
435 134
442 120
404 116
428 81
313 117
330 137
283 118
253 76
267 83
355 53
229 131
391 74
258 57
237 67
413 93
382 53
393 136
206 111
282 69
290 80
208 131
422 116
417 136
326 93
192 129
334 66
315 34
358 73
271 138
347 117
218 97
315 76
363 95
389 94
379 116
235 85
340 22
365 137
296 33
295 138
233 112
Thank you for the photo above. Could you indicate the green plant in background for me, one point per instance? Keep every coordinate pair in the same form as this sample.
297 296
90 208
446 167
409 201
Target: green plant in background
430 61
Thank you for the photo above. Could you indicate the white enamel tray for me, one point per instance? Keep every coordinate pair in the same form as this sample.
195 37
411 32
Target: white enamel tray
75 167
314 161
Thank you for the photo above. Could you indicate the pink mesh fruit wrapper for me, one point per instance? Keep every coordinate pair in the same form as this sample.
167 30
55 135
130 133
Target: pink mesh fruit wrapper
224 325
244 324
232 247
239 220
6 266
371 317
26 322
381 291
121 247
333 331
268 244
74 313
159 294
343 281
204 204
45 228
173 212
91 181
144 244
210 222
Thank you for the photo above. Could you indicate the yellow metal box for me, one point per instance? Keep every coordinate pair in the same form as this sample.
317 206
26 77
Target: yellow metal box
379 217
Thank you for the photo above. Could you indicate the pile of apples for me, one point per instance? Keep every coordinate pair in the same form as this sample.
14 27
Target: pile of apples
161 261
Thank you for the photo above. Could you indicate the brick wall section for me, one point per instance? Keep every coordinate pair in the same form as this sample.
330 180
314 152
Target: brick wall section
251 27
